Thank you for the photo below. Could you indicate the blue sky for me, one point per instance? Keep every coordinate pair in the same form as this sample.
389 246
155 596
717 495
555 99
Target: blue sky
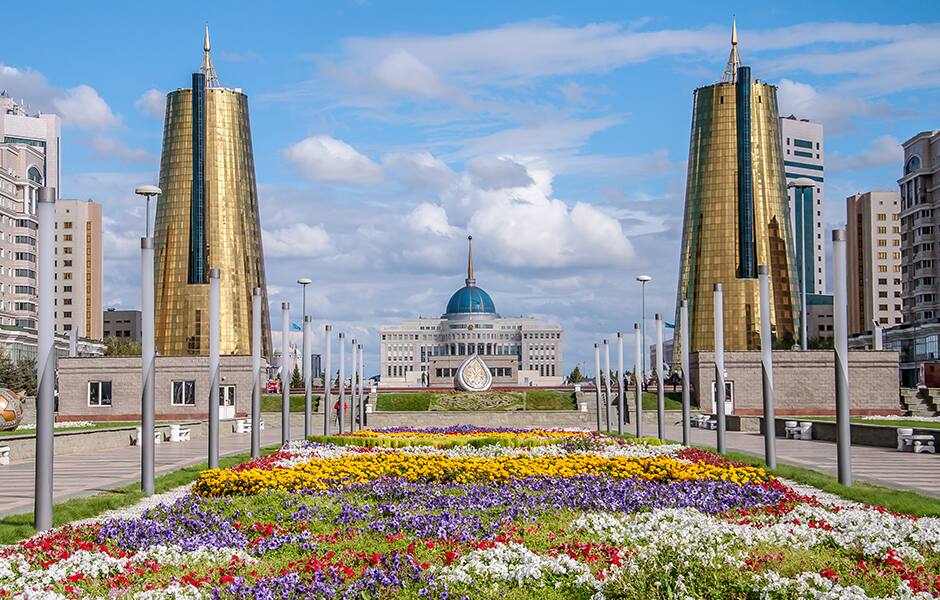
557 133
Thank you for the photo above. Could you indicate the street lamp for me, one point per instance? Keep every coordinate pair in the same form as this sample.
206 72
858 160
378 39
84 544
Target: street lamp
147 350
799 212
643 279
304 282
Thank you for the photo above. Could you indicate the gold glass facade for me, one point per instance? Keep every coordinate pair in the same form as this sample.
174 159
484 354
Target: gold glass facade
711 235
231 227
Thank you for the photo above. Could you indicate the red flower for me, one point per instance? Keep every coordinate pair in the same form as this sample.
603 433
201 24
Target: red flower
449 557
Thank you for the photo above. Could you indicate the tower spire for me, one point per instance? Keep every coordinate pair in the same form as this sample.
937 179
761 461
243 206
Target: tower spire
212 80
470 279
734 59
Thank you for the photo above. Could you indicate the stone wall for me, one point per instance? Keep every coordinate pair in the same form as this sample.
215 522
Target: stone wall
804 382
124 374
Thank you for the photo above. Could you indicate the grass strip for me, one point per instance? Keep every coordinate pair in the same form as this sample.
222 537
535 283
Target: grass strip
272 403
902 501
886 422
17 527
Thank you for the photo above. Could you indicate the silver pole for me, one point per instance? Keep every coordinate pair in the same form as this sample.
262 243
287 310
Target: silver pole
767 369
686 389
45 361
213 368
607 381
638 374
342 383
720 366
841 346
326 400
73 343
643 341
877 336
362 398
256 369
353 362
308 390
661 397
285 372
597 383
620 381
303 343
148 368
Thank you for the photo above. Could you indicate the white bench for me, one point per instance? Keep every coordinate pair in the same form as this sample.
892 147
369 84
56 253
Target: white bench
178 433
4 455
244 425
135 440
802 430
704 422
907 441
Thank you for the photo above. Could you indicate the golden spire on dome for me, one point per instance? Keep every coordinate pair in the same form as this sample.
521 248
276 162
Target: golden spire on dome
212 80
734 59
470 279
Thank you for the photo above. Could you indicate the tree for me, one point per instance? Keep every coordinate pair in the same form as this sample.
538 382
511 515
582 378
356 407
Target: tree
296 380
576 376
18 376
819 343
116 347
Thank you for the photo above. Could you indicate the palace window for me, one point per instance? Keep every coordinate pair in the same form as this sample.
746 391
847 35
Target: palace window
183 393
99 393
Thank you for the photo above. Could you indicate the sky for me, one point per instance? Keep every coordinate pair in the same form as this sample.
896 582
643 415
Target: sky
555 133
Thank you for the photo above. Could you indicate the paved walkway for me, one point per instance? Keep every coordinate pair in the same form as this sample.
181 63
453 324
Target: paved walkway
84 474
882 466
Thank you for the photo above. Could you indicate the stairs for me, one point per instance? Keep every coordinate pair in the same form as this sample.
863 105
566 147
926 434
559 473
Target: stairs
921 402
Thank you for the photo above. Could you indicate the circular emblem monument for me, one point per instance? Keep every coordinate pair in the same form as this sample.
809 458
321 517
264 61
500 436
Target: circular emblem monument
473 375
11 409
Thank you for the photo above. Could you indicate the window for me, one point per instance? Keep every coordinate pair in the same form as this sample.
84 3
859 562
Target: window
66 276
882 268
882 217
882 243
67 225
67 237
184 393
882 229
99 393
882 256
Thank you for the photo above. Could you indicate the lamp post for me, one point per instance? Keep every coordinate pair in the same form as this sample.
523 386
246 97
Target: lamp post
304 282
643 279
256 341
799 212
147 349
285 373
214 300
841 351
45 362
327 378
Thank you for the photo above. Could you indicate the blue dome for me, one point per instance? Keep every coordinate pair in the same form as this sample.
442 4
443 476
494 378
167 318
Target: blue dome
471 300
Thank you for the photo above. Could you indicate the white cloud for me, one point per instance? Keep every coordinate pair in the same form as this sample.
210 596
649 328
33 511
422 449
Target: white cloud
297 240
81 106
324 158
883 150
429 218
400 72
420 170
835 111
152 102
109 147
493 173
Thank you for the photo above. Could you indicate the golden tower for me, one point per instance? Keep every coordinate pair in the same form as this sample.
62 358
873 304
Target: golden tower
736 213
207 218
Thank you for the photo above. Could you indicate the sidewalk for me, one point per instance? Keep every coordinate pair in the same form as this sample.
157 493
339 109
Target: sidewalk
84 475
881 466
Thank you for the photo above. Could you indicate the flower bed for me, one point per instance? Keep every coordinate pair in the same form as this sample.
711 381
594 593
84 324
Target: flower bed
579 516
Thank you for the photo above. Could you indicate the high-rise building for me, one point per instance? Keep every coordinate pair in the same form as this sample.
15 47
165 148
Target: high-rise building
122 325
920 220
873 250
207 218
79 267
804 158
21 169
43 131
736 213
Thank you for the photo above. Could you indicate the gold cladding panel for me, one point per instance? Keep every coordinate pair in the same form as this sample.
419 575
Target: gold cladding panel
232 226
709 252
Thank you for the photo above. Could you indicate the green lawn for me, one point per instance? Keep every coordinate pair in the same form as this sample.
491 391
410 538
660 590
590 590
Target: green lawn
549 400
18 527
887 421
897 500
404 401
101 425
272 403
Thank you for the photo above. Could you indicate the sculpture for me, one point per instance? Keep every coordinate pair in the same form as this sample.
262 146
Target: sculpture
11 409
473 375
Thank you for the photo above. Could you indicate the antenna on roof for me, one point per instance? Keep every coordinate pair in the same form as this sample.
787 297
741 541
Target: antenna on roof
734 59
